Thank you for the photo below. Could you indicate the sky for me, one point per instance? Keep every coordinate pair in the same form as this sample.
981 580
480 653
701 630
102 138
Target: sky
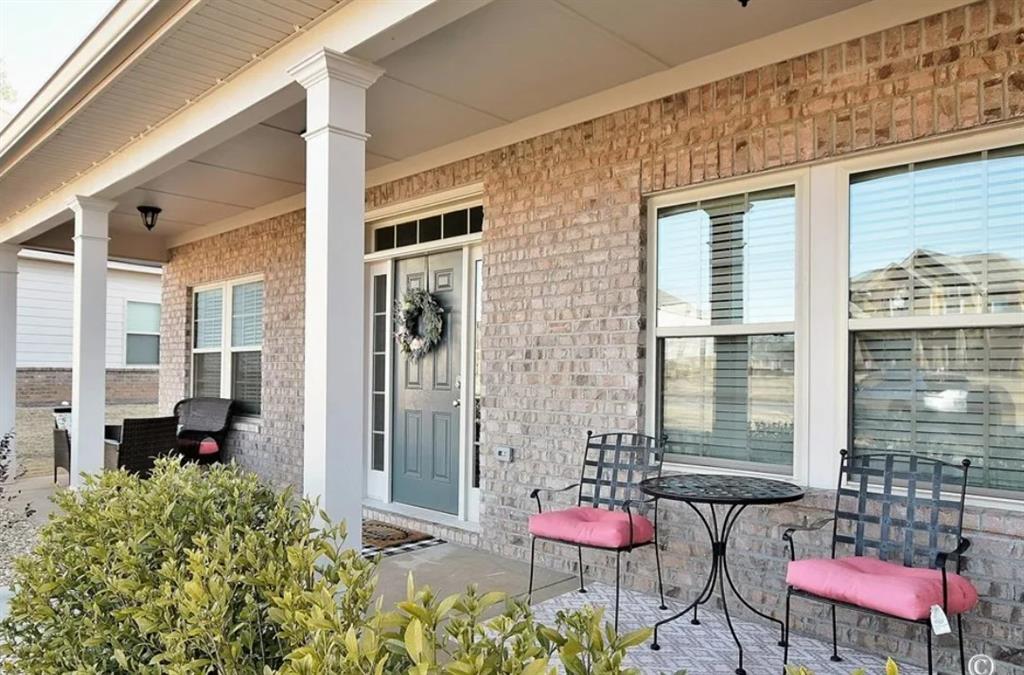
36 36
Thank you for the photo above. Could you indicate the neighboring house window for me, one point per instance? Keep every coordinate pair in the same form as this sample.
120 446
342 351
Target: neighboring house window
724 327
142 334
937 313
228 343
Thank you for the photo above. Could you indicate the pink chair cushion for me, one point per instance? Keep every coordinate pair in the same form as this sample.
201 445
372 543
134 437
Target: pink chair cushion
591 527
906 592
208 446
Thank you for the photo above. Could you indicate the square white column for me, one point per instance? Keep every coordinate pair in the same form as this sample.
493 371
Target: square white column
8 344
88 336
333 462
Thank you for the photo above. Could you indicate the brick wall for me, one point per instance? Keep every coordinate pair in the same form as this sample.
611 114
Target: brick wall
564 297
565 256
51 386
272 445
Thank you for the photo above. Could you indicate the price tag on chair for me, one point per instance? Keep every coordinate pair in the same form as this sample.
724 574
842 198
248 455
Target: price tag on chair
940 623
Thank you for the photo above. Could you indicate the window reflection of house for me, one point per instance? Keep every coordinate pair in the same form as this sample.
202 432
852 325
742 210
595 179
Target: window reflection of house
932 283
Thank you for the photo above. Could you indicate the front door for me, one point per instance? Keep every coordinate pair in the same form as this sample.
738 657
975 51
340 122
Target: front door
425 452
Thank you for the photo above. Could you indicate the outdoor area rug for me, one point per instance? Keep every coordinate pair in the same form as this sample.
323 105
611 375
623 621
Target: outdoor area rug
386 540
708 649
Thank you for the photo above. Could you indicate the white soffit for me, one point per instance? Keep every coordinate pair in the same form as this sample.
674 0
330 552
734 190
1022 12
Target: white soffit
212 43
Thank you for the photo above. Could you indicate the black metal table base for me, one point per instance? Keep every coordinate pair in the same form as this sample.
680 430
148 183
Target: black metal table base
718 533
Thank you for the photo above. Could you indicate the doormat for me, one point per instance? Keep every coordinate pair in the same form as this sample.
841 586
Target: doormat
386 540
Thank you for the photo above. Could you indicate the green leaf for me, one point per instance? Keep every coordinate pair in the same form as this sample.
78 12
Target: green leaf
414 640
634 638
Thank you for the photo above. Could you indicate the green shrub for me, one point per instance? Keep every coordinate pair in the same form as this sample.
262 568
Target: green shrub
210 571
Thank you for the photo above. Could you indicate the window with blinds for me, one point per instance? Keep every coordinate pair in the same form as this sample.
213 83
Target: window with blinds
939 238
937 313
725 329
246 346
227 345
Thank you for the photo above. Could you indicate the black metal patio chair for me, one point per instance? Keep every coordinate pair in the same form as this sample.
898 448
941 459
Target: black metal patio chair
614 464
908 511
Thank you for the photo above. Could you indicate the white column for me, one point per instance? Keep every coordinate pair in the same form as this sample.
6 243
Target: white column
333 463
88 336
8 345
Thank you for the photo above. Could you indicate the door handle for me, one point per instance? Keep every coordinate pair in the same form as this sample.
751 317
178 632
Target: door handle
457 403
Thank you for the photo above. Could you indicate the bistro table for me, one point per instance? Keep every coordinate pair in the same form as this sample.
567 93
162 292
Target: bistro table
733 494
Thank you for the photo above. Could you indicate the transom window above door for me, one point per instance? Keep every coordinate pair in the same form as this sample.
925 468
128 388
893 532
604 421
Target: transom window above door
724 316
447 225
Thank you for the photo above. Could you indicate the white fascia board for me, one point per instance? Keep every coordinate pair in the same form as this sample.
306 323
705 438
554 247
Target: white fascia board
258 92
858 21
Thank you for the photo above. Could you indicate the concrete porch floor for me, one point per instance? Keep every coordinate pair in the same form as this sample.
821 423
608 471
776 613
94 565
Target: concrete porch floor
448 569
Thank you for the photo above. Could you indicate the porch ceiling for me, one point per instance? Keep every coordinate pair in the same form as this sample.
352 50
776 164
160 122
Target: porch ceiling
504 62
209 42
512 59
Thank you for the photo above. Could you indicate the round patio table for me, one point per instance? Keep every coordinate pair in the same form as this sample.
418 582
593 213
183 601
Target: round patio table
732 494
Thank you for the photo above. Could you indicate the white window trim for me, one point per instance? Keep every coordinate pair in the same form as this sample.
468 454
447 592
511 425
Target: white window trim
124 354
225 349
823 327
799 178
905 154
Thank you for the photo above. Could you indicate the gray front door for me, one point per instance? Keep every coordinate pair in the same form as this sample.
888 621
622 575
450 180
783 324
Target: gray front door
425 452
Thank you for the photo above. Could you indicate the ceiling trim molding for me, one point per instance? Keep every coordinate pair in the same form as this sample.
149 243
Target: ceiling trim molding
827 31
244 219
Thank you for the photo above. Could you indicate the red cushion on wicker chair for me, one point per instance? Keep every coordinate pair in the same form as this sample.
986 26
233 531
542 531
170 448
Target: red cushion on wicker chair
590 526
208 446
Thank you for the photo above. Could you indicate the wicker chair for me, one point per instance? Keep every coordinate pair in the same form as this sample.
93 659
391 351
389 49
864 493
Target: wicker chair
201 420
139 443
61 440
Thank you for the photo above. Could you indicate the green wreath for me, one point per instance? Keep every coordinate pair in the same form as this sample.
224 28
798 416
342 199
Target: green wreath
418 309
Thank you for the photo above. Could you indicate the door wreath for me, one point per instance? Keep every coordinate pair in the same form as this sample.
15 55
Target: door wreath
418 310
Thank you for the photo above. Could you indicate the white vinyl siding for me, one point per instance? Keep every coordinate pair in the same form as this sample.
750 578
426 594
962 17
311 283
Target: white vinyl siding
45 290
